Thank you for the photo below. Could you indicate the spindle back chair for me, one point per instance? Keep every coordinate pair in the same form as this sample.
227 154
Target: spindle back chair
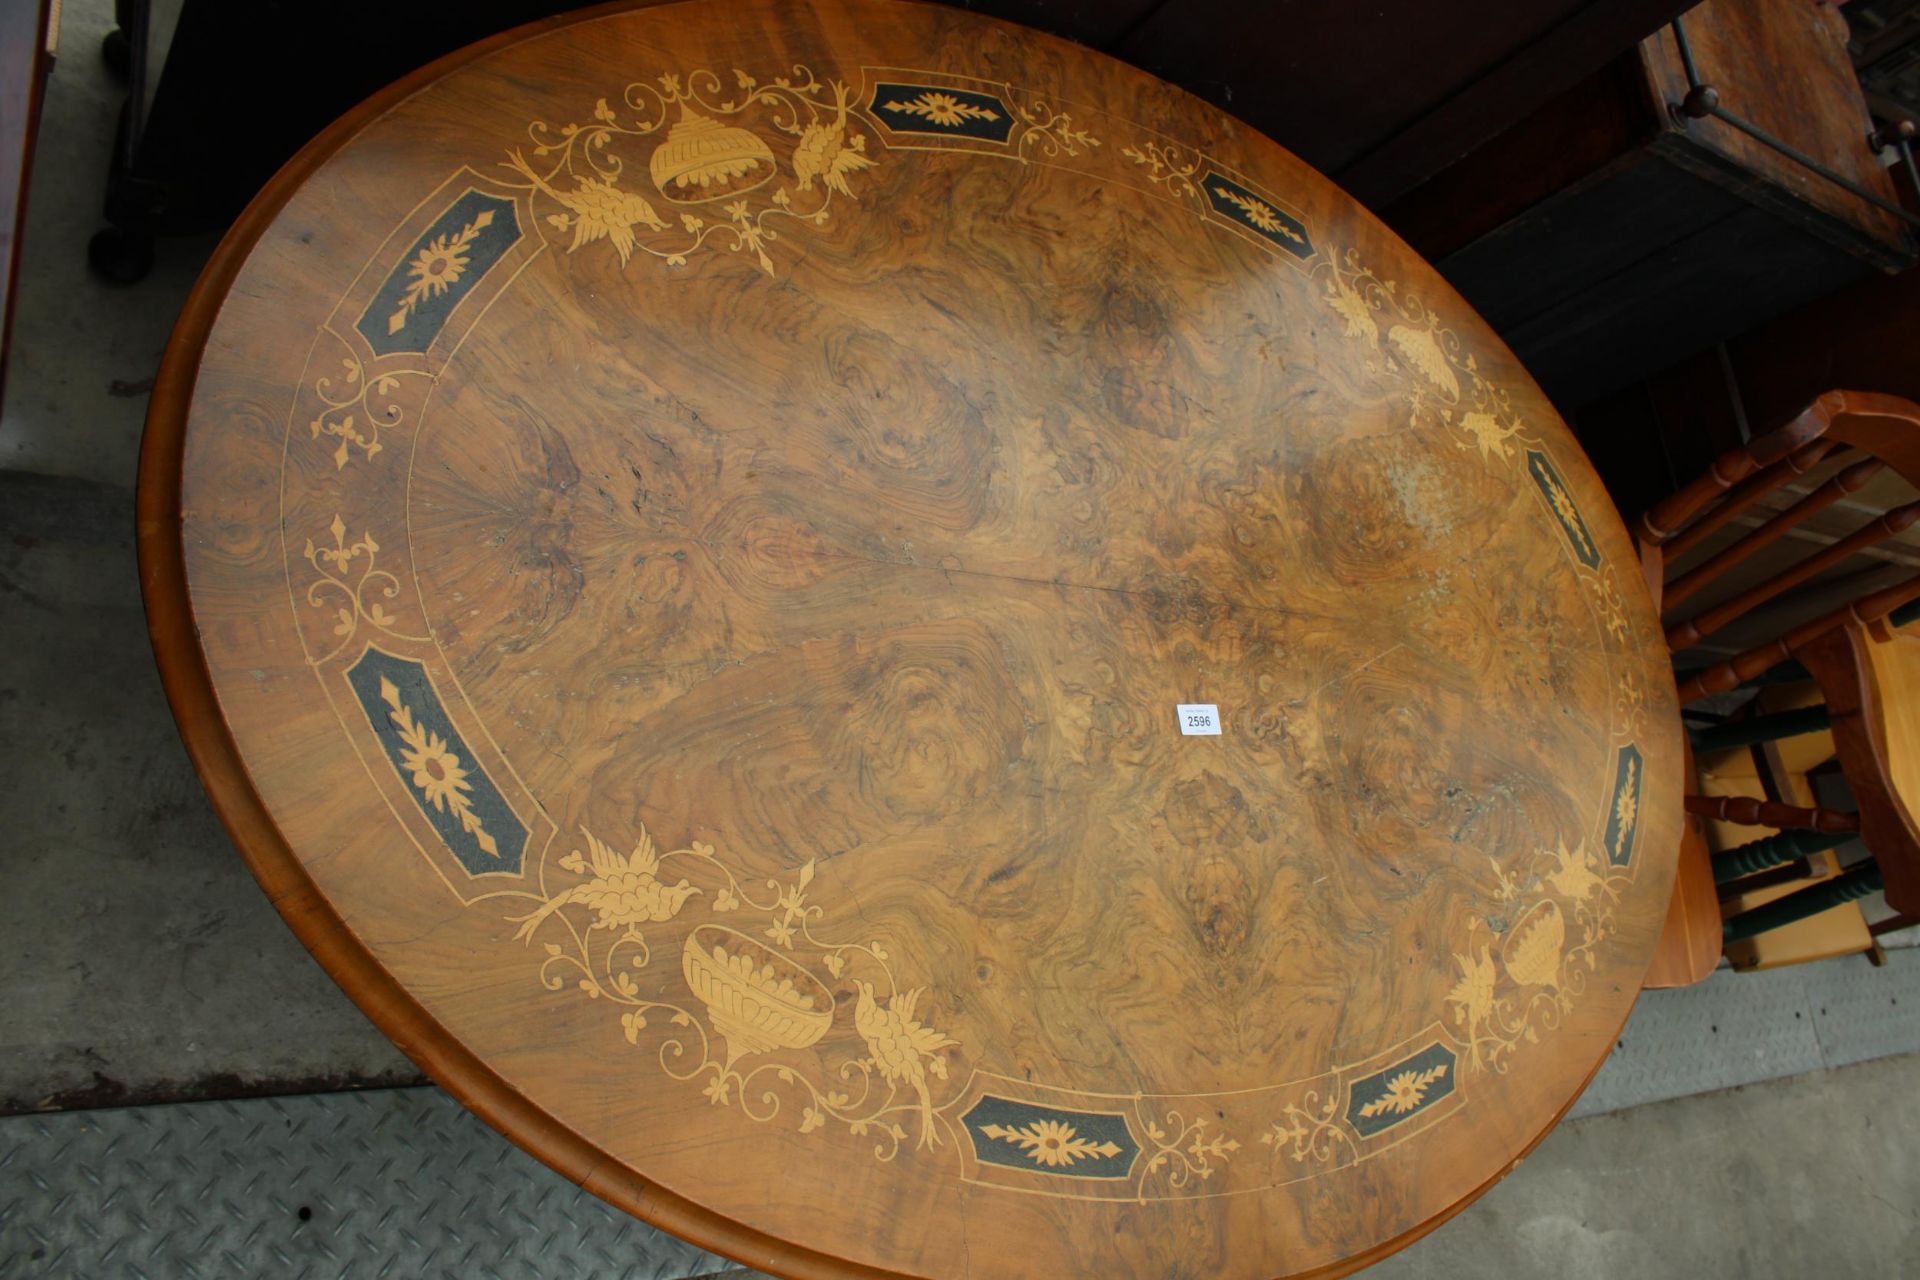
1868 673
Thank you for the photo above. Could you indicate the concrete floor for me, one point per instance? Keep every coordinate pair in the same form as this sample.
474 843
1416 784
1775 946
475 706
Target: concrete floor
1813 1176
137 957
138 960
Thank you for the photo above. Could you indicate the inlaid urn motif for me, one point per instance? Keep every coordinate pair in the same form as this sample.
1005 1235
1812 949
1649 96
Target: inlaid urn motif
703 159
758 1001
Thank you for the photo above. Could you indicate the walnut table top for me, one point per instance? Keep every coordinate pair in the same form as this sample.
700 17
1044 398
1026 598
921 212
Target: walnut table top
910 652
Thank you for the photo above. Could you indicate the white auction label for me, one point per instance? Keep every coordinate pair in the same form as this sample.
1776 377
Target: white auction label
1198 718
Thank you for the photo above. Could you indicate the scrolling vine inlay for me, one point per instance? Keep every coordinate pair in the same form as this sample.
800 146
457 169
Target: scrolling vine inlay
1519 968
712 149
694 652
758 1003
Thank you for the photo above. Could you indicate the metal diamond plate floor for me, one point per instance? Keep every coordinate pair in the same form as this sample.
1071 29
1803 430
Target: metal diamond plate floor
1737 1029
390 1182
403 1182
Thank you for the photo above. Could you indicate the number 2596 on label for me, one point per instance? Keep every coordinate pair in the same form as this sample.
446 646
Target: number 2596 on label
1198 718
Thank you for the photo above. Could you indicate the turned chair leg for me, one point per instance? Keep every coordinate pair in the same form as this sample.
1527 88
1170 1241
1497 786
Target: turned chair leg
1811 901
1749 812
1732 864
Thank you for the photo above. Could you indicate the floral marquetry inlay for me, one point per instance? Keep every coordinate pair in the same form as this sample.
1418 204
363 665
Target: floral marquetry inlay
350 582
744 509
943 109
1265 218
462 804
754 998
445 263
441 264
774 1020
708 143
763 1006
936 111
1262 215
1405 1092
1052 1142
436 772
1379 1102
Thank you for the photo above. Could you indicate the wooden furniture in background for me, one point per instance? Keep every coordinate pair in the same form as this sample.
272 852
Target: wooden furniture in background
1690 942
909 652
1608 234
1871 676
1750 779
1382 95
1647 441
28 33
1886 51
1867 335
1863 668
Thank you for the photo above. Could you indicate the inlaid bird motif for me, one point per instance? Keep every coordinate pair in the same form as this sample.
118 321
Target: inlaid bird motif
828 152
624 893
597 210
902 1049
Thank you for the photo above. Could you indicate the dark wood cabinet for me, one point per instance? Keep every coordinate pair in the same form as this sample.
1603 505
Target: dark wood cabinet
1379 97
1609 234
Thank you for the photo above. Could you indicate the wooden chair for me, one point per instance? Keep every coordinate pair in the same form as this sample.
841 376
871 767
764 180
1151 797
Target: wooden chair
1789 770
1867 671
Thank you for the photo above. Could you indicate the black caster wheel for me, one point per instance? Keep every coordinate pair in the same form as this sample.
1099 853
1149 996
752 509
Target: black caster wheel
120 257
117 52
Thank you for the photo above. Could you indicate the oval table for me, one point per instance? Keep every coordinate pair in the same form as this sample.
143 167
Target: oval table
909 652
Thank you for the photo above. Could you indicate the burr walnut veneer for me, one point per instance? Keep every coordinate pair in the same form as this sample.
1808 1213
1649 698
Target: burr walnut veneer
676 538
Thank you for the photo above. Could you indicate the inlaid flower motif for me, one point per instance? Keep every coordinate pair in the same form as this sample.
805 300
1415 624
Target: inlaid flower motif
1627 806
1260 214
1405 1092
437 772
438 266
1052 1143
943 109
1567 510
